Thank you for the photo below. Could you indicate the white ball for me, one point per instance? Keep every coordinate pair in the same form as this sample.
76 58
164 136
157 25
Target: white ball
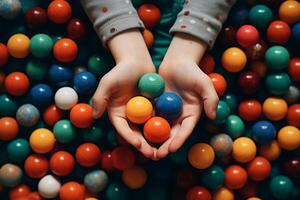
65 98
49 187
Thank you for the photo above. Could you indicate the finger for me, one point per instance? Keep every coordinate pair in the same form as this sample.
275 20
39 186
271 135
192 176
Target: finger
144 148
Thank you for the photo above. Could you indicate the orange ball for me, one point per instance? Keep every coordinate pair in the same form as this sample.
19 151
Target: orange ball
289 11
235 177
81 115
270 151
9 128
148 37
157 130
19 191
36 166
275 108
219 83
288 138
139 109
16 83
134 177
223 193
201 156
34 196
65 50
234 59
259 169
52 114
88 154
42 140
62 163
18 45
3 54
259 67
243 149
59 11
254 198
71 190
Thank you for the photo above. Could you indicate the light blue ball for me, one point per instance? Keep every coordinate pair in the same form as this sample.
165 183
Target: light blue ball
10 9
28 115
96 181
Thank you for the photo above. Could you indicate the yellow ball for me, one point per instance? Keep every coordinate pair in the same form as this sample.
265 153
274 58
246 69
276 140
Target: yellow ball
223 194
134 177
18 45
201 156
254 198
275 108
270 151
139 109
42 140
234 59
289 138
243 149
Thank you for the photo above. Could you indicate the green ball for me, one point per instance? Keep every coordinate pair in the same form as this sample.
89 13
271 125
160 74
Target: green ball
213 177
41 45
151 85
277 58
93 134
281 187
278 84
231 101
18 150
8 106
234 126
64 131
36 70
260 16
223 111
116 191
97 65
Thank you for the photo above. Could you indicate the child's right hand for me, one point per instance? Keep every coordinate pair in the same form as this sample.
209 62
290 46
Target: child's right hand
120 84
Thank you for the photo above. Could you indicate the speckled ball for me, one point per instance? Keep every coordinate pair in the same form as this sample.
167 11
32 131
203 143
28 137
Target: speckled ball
10 9
28 115
222 144
95 181
10 175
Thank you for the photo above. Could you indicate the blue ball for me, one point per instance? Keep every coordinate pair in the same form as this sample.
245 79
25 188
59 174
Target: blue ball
10 9
169 105
296 32
263 132
60 76
95 181
85 83
41 95
238 15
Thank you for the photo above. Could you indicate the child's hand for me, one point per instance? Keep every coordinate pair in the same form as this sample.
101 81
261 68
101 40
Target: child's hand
120 84
183 76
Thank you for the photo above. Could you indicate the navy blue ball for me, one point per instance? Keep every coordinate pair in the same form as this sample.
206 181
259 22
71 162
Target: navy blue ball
85 83
41 95
296 32
60 76
169 105
263 132
238 15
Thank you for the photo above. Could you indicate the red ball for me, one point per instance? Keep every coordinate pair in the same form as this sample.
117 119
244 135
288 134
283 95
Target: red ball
248 82
256 51
81 115
235 177
198 193
36 166
19 191
251 189
77 29
61 163
247 36
88 154
157 130
278 32
293 115
294 69
291 167
219 83
259 169
36 18
149 14
3 54
122 158
227 36
34 196
207 63
250 110
106 161
71 191
65 50
52 114
16 83
59 11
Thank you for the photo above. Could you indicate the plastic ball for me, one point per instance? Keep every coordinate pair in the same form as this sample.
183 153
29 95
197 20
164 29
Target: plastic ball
81 115
227 36
247 35
97 65
157 130
243 149
259 169
9 128
293 115
49 187
36 166
65 50
289 11
64 131
198 193
248 82
95 181
250 110
71 190
169 105
65 98
60 76
42 140
234 126
260 16
296 32
27 115
223 111
134 177
275 109
18 150
122 158
19 191
207 63
41 95
201 156
149 14
52 114
288 138
41 45
292 95
35 196
88 154
36 70
16 83
85 83
18 45
281 187
151 85
36 18
223 193
271 151
77 29
278 32
93 134
139 109
10 175
148 38
231 101
222 145
291 167
59 11
277 57
263 132
234 59
213 177
10 9
106 161
278 84
62 163
116 191
235 177
256 51
219 83
294 69
4 55
259 67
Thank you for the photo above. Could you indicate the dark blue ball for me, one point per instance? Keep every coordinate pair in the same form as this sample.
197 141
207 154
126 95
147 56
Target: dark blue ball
263 132
41 95
60 76
85 83
169 105
238 15
296 32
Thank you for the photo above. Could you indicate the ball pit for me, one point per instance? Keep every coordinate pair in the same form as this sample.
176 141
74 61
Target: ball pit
51 147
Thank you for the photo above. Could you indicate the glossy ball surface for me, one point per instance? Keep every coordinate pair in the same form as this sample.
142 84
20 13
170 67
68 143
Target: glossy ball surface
149 14
65 50
250 110
288 138
49 187
36 166
27 115
223 193
81 115
64 131
60 76
36 18
223 111
65 98
263 132
275 109
52 114
293 115
260 16
207 63
247 35
235 177
95 181
88 154
277 57
243 149
249 82
289 11
9 128
157 130
41 95
85 83
62 163
213 177
139 109
219 83
134 177
222 145
294 69
281 187
270 151
59 11
198 193
4 55
16 83
10 175
234 126
122 158
151 85
41 45
291 166
18 150
278 32
77 29
201 156
259 169
169 105
42 140
18 45
234 59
